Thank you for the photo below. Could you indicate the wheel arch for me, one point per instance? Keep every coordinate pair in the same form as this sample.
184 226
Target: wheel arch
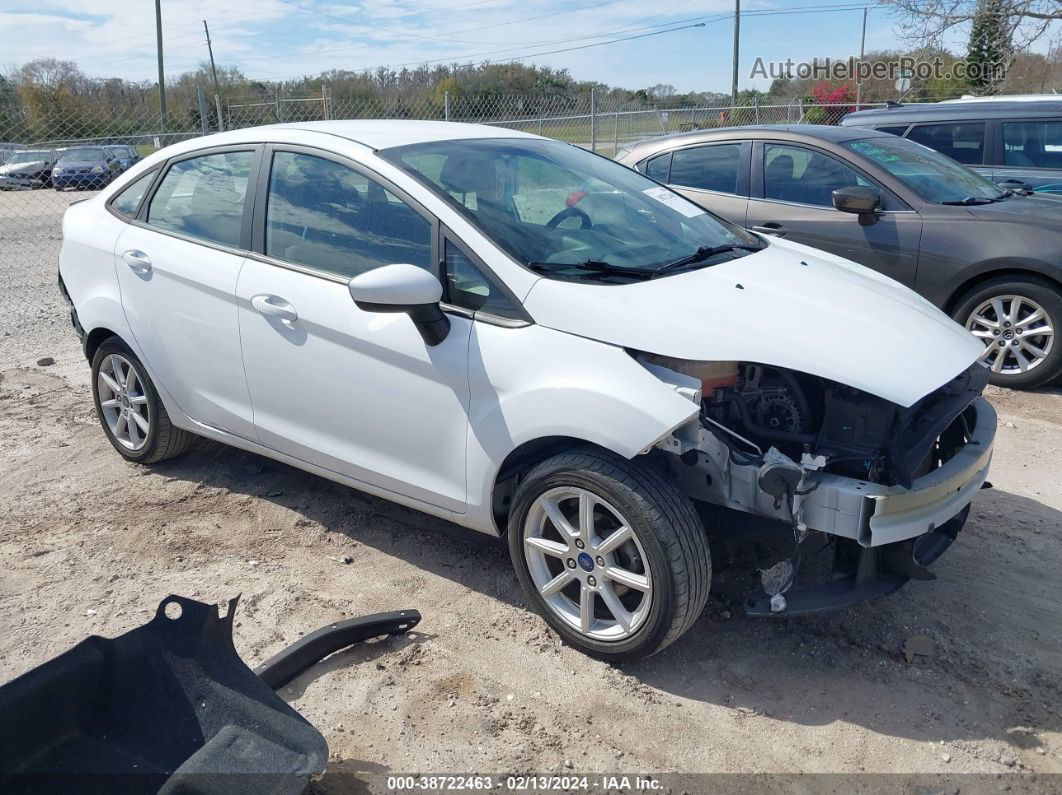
96 337
996 272
521 459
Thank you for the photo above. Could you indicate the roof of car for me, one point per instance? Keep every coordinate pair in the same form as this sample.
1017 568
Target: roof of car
386 133
927 111
823 132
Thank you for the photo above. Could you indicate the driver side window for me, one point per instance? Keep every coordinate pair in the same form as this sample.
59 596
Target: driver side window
803 176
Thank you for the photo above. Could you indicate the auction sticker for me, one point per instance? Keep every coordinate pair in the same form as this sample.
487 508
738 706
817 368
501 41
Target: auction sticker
674 201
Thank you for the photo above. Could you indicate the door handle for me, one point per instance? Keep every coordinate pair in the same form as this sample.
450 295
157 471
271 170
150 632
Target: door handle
771 228
138 261
275 306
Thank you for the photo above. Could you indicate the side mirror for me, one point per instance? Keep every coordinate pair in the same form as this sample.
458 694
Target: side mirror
404 288
857 199
1017 185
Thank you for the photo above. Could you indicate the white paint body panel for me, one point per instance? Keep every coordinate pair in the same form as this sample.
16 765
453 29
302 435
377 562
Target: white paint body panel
830 318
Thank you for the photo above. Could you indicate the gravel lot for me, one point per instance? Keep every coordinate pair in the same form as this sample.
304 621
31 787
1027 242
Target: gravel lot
91 544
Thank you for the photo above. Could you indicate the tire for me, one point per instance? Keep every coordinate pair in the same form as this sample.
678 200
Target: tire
1004 292
162 439
667 551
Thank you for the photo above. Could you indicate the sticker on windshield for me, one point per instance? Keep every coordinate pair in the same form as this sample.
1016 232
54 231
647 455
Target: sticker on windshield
674 201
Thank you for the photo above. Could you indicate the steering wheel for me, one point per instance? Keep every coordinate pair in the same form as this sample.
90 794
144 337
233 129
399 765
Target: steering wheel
570 212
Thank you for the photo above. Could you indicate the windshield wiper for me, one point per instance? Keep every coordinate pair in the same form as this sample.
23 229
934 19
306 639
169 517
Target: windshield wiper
594 266
703 253
969 201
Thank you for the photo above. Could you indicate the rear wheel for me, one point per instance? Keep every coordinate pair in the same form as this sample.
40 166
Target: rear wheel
129 409
1017 320
611 554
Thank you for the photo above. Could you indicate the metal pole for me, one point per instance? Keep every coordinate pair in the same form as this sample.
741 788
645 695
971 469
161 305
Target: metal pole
221 116
593 121
201 97
615 134
277 95
162 75
446 105
737 45
210 50
324 101
757 99
862 51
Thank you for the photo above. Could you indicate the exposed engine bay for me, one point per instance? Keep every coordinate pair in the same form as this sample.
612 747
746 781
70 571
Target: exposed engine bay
858 434
890 484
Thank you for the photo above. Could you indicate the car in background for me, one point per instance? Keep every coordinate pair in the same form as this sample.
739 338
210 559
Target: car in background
1017 141
989 257
28 169
127 155
8 149
91 167
530 340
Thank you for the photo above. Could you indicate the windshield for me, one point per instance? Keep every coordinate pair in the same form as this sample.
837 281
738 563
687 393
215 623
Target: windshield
84 153
933 176
567 213
29 157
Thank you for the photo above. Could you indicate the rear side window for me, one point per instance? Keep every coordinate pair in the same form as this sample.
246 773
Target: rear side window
963 142
659 168
128 201
1032 143
204 197
897 130
707 167
327 216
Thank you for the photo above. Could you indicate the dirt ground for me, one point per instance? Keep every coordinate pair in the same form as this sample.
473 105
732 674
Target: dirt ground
91 544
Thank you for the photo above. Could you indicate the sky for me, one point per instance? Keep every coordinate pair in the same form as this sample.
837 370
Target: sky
282 39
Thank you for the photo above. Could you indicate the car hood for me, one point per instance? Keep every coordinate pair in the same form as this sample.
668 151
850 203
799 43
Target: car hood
788 306
1036 209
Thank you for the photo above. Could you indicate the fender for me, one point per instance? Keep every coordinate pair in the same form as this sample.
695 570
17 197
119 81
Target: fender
579 388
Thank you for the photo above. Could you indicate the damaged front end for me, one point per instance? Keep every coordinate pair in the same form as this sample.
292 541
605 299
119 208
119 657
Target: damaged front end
888 486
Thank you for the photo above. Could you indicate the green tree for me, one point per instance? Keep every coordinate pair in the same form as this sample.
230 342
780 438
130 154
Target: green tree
989 52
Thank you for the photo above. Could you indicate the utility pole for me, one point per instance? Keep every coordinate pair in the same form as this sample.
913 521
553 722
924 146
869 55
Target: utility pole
162 76
213 71
862 52
737 45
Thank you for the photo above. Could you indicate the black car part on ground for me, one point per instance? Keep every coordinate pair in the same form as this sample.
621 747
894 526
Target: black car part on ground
170 707
860 434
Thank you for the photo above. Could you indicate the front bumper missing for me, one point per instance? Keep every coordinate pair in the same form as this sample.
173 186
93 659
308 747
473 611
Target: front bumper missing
875 515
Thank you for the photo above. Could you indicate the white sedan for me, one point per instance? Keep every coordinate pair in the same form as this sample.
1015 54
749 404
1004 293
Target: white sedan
528 339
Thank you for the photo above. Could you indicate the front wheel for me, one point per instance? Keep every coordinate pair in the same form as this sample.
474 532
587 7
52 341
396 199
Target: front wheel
1016 318
129 408
610 553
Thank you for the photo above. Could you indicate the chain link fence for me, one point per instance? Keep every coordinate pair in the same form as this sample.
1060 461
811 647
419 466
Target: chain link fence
59 155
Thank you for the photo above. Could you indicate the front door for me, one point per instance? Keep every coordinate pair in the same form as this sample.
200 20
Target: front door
177 270
792 197
355 392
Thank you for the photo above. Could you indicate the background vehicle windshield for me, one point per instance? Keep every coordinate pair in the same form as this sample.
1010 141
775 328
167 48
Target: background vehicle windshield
549 204
29 157
84 153
933 176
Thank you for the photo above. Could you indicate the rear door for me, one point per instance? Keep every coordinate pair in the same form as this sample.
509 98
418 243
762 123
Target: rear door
177 269
715 176
792 197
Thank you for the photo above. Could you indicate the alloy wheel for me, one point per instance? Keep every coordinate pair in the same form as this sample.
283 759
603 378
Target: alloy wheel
587 563
1016 331
123 402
